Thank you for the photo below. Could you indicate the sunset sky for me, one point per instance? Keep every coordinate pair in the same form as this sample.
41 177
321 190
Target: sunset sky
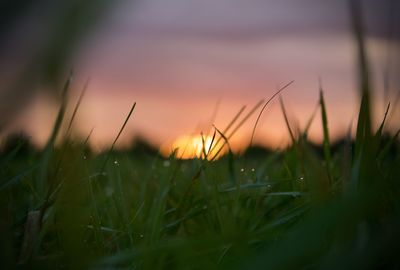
184 60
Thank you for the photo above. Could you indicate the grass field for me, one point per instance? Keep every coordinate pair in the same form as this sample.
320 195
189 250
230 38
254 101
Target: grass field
304 207
334 206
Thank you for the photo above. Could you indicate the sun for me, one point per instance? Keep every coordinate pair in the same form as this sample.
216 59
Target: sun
194 146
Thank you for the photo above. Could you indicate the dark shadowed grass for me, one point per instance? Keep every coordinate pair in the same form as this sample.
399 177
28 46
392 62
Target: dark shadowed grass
289 209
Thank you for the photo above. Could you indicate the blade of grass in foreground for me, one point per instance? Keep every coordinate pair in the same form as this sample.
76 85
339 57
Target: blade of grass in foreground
228 127
240 124
64 147
365 171
247 116
263 108
17 178
53 185
310 121
363 133
116 138
379 133
385 150
77 106
326 142
48 150
286 120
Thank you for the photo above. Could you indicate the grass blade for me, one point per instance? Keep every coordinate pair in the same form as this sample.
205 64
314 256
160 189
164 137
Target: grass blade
286 120
326 142
263 108
116 138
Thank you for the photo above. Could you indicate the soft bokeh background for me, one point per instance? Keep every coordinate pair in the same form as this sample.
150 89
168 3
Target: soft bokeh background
190 63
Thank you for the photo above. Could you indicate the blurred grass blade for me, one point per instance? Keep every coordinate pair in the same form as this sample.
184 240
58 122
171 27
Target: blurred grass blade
310 120
228 127
48 150
363 133
77 105
240 124
86 141
60 115
17 178
379 132
385 150
244 120
32 228
226 142
65 146
326 142
286 120
116 138
203 146
231 160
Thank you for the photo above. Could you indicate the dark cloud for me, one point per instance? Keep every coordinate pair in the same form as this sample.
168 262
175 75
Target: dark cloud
251 19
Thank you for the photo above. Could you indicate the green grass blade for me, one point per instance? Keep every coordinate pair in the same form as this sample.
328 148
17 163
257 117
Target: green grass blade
48 150
283 109
17 178
116 138
77 105
363 133
310 121
263 108
326 142
379 132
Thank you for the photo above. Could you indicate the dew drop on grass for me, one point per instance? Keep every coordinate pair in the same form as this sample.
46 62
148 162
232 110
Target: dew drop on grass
166 163
242 170
183 168
253 170
109 191
116 162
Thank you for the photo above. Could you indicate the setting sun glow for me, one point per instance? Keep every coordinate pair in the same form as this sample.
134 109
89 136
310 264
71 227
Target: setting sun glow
194 146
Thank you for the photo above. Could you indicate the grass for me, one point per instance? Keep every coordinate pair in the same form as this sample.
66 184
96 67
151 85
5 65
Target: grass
305 207
64 207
